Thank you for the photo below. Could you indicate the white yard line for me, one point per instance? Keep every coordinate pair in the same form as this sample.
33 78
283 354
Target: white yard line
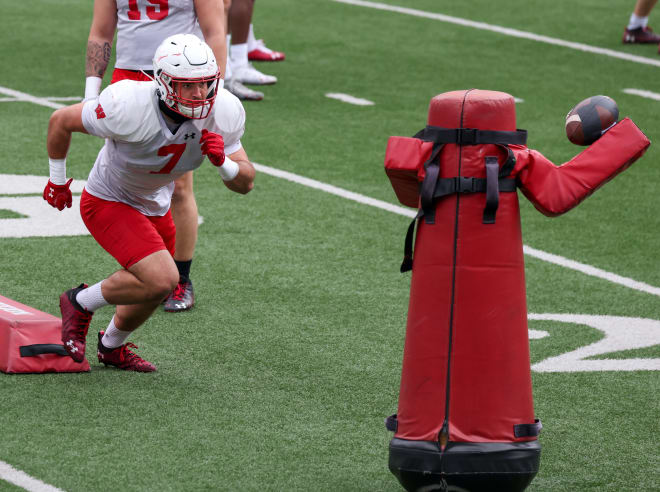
23 480
590 270
506 31
68 98
349 99
642 93
407 212
22 96
334 190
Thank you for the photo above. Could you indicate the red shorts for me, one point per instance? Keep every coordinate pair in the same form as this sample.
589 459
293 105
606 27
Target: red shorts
125 233
122 74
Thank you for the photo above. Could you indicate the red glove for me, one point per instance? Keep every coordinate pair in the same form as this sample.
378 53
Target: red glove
213 146
58 196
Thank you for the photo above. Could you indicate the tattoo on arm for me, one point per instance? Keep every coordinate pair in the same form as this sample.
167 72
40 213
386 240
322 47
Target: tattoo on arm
98 56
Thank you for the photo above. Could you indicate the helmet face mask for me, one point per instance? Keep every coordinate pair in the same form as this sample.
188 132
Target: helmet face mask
175 99
185 59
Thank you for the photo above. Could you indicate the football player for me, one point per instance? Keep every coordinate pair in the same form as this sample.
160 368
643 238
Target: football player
155 132
141 26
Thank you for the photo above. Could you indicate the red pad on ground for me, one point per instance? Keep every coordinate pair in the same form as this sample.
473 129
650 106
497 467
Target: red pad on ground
39 334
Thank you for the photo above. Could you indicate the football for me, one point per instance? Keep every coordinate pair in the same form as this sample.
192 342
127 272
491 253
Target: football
589 119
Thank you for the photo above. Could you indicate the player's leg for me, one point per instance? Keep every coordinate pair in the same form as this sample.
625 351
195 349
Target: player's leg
643 7
144 283
231 84
257 50
158 274
226 5
184 213
136 292
637 30
240 18
143 246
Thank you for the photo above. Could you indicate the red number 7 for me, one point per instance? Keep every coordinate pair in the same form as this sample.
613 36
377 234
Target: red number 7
177 150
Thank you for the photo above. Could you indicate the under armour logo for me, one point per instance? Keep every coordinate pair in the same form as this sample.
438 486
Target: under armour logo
99 112
189 135
51 192
72 348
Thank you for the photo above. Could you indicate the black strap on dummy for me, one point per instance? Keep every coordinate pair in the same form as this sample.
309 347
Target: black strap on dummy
434 187
471 136
406 264
391 423
492 190
41 348
447 186
496 181
432 168
459 136
528 430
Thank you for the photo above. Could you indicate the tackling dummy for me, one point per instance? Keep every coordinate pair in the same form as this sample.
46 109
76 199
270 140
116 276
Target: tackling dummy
466 417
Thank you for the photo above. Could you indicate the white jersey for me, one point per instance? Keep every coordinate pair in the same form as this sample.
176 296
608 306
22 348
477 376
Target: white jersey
143 24
141 157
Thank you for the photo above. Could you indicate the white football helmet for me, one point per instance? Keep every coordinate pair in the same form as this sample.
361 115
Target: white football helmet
184 58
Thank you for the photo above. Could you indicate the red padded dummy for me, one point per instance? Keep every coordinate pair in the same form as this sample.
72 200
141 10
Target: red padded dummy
30 341
466 371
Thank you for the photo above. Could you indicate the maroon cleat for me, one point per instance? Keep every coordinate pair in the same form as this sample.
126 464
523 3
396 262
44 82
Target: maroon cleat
181 299
122 358
75 322
641 35
262 53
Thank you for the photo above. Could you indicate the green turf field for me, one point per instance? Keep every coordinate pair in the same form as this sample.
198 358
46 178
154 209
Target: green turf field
281 376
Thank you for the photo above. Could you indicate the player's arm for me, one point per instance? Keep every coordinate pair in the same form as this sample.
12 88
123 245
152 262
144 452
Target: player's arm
244 180
236 170
211 17
99 45
62 124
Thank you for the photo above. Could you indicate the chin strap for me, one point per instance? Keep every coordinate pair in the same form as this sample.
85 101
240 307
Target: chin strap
176 117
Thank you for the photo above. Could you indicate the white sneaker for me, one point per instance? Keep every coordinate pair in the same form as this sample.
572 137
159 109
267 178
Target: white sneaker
242 92
247 74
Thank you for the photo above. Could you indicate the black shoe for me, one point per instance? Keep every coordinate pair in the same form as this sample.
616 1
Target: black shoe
641 35
181 299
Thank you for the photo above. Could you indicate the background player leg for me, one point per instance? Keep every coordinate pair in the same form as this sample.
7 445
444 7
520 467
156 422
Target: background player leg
231 84
240 17
185 216
637 30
